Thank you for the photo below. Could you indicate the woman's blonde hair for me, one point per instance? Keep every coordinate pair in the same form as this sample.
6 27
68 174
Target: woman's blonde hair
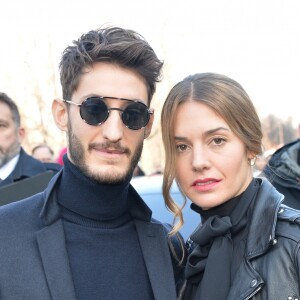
226 98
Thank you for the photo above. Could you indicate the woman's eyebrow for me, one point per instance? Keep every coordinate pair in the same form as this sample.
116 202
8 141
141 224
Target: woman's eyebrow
206 133
180 138
214 130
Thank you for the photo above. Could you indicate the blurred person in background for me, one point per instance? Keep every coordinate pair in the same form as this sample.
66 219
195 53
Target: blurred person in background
90 235
61 154
138 171
247 246
15 163
283 171
259 164
43 152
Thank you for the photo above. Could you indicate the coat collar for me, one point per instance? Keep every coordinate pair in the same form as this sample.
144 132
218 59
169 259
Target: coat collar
27 166
263 220
157 258
52 246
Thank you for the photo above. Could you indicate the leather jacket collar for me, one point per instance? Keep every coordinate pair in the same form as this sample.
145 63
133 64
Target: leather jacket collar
263 220
261 237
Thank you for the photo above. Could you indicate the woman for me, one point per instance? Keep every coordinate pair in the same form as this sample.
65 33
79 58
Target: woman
247 246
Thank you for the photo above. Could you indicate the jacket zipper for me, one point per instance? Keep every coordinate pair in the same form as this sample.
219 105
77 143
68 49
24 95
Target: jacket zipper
253 293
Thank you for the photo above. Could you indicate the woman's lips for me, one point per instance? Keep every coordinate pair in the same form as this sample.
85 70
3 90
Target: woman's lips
204 185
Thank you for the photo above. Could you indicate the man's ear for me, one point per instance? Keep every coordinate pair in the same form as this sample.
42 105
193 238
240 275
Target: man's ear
60 114
149 126
21 134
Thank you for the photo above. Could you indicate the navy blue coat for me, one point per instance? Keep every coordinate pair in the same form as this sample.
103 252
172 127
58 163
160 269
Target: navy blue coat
33 256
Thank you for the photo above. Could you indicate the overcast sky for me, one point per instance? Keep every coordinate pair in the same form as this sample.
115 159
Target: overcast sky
256 42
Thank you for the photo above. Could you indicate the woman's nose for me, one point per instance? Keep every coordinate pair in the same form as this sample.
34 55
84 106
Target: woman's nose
200 158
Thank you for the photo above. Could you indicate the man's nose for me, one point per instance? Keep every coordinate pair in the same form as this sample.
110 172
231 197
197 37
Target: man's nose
113 127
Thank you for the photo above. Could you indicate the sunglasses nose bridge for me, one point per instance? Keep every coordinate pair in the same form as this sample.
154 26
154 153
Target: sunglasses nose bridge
114 108
119 110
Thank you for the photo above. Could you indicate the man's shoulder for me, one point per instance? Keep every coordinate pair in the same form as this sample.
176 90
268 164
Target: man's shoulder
27 166
22 210
176 241
19 222
52 166
26 160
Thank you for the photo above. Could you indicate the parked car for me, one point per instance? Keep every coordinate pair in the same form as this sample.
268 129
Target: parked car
150 189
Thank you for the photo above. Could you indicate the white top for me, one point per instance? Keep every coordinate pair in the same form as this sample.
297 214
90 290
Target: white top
9 167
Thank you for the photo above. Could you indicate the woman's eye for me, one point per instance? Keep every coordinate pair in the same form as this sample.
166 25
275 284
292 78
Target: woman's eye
218 141
181 148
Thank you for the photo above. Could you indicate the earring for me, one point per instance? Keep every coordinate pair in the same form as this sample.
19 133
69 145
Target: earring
251 161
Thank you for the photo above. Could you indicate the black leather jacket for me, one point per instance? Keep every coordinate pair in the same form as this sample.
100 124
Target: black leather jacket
283 171
271 266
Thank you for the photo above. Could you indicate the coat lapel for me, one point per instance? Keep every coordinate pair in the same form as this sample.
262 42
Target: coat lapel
153 241
51 243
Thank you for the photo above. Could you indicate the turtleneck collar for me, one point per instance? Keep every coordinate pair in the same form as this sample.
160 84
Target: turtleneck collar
94 200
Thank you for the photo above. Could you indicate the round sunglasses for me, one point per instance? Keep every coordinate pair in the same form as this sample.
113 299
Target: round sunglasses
94 111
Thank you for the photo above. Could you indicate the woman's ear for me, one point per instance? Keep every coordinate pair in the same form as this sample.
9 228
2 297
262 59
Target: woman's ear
60 114
149 125
251 158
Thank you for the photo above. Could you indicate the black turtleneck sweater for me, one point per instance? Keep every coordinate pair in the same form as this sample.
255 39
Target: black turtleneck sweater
104 252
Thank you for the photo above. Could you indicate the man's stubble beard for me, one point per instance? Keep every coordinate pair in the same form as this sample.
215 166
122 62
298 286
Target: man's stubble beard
76 152
8 154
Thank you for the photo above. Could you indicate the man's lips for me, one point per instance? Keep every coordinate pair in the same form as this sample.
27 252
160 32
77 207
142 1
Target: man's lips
110 155
109 150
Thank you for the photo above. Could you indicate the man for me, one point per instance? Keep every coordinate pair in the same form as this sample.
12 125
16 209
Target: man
15 163
90 235
283 171
43 153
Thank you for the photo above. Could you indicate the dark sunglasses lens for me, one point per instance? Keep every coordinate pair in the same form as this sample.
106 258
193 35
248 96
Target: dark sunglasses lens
94 111
135 116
